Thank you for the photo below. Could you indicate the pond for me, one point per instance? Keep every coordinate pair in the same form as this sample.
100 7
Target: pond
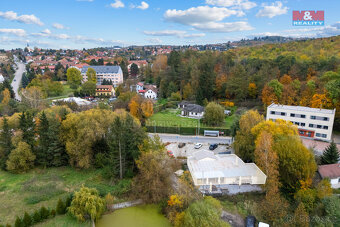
140 216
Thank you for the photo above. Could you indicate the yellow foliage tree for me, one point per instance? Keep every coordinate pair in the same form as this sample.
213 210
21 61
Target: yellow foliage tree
6 96
252 90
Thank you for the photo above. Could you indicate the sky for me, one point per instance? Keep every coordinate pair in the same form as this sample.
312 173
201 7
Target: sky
76 24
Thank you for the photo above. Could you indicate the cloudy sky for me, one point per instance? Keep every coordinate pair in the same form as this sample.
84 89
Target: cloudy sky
92 23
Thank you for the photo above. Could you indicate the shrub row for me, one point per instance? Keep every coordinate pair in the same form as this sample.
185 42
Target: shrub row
42 214
184 130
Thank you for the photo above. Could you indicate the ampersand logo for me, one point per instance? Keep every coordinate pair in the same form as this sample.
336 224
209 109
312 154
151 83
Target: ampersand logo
307 16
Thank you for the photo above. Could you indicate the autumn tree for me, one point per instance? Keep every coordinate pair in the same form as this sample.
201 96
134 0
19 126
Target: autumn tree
152 183
87 205
74 77
21 159
214 114
33 97
6 96
252 90
91 75
244 144
188 92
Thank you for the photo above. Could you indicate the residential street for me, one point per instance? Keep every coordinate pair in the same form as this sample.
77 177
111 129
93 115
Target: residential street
193 139
17 78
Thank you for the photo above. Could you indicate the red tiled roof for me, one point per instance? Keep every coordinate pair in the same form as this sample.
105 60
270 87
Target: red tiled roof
331 171
104 86
141 91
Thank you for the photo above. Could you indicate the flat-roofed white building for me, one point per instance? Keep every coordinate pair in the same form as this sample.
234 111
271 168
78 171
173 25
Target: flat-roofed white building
109 73
208 169
312 123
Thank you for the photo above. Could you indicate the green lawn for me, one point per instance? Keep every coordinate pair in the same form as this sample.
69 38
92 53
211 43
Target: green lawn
63 221
39 187
171 118
141 216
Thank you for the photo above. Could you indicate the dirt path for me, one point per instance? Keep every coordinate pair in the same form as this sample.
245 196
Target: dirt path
234 220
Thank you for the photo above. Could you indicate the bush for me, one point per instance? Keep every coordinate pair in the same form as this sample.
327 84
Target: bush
27 220
68 201
18 222
53 213
36 217
44 213
61 209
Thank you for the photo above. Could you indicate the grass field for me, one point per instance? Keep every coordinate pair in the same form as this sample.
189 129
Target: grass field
39 187
171 118
63 221
141 216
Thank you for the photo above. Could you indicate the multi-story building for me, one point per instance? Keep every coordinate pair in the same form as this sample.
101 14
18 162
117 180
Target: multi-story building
105 90
312 122
110 73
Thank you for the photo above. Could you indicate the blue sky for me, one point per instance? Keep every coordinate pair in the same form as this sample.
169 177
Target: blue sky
91 23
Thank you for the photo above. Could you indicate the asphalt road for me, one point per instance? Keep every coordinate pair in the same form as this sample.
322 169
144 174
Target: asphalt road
17 79
171 138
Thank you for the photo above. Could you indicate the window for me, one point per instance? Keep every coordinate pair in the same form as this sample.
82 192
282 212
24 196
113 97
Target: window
272 112
303 124
303 116
292 115
325 127
311 125
313 117
325 118
283 114
301 132
309 134
319 126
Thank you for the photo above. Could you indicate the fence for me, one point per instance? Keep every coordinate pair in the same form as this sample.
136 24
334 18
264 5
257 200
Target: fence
184 130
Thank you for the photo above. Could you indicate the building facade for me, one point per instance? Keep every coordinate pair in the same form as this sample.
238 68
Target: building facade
110 73
105 90
311 122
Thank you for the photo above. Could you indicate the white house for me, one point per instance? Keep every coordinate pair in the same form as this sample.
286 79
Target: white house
312 122
208 169
2 79
113 73
332 172
191 110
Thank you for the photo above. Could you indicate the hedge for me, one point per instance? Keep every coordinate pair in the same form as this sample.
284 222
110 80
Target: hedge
184 130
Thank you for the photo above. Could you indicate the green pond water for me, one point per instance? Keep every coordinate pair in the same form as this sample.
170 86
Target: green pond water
140 216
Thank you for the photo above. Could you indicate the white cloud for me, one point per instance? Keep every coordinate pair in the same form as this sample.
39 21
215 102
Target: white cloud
207 19
13 31
48 34
47 31
275 9
223 27
239 4
117 4
177 33
27 19
155 40
201 14
59 26
143 6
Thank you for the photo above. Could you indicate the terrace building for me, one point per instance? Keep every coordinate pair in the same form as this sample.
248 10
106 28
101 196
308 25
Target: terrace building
113 73
312 123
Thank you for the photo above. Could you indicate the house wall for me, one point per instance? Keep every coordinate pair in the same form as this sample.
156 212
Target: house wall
192 114
150 94
116 78
335 182
308 127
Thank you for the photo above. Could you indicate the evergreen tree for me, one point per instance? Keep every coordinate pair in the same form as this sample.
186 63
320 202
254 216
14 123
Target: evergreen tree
7 84
18 222
43 158
56 149
61 209
125 70
44 213
5 143
36 217
27 125
330 154
24 81
27 220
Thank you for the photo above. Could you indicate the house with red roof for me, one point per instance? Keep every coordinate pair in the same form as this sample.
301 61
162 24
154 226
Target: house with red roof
332 172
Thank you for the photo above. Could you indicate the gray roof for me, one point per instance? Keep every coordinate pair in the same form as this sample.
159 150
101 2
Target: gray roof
102 69
301 108
194 108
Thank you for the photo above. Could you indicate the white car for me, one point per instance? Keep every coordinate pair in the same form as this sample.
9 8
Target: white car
198 146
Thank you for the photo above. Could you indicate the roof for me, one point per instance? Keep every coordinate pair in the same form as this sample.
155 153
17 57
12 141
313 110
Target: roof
330 171
319 146
141 91
79 101
150 87
301 108
104 86
184 102
140 83
102 69
194 108
205 164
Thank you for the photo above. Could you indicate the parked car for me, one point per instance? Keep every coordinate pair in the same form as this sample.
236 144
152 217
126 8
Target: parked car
180 145
171 154
225 152
213 146
198 146
250 221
